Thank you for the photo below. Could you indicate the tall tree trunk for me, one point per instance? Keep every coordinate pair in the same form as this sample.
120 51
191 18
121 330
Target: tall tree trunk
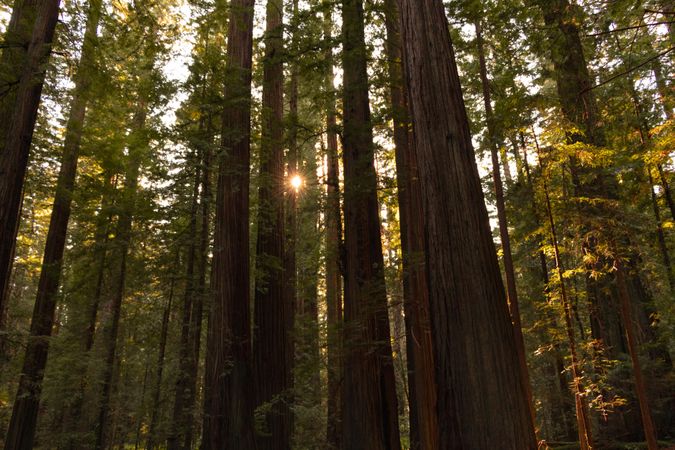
24 414
156 394
333 244
182 410
583 420
228 396
271 369
558 364
421 378
370 419
477 365
113 309
201 291
511 290
290 209
640 386
22 68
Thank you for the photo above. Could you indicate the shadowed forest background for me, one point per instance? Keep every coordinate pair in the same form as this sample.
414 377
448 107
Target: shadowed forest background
353 225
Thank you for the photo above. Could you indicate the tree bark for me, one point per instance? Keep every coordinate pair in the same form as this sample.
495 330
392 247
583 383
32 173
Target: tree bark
22 66
640 386
333 245
24 415
228 396
477 368
421 378
271 335
369 403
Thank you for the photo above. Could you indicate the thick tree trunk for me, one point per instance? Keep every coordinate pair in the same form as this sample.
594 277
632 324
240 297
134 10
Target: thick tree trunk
228 396
333 244
421 377
511 291
113 309
477 368
370 419
22 71
24 415
271 335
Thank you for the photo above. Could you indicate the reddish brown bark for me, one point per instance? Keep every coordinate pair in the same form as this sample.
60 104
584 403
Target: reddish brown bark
30 34
271 334
640 386
421 378
369 404
228 397
333 242
477 368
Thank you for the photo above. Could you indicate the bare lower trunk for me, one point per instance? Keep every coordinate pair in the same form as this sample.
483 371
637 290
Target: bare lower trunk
640 386
271 333
477 365
228 396
421 378
369 404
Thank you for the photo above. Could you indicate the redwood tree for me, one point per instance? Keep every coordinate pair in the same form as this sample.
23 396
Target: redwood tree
477 368
271 333
369 403
24 415
421 378
228 402
22 69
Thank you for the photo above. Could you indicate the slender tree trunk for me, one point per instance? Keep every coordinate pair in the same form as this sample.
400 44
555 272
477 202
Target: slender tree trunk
228 396
24 415
22 71
558 364
182 410
291 225
640 387
511 290
370 419
271 335
156 394
421 378
113 310
333 244
201 291
583 420
477 365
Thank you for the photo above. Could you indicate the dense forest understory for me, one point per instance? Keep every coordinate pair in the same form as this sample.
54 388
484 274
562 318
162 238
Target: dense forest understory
337 224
